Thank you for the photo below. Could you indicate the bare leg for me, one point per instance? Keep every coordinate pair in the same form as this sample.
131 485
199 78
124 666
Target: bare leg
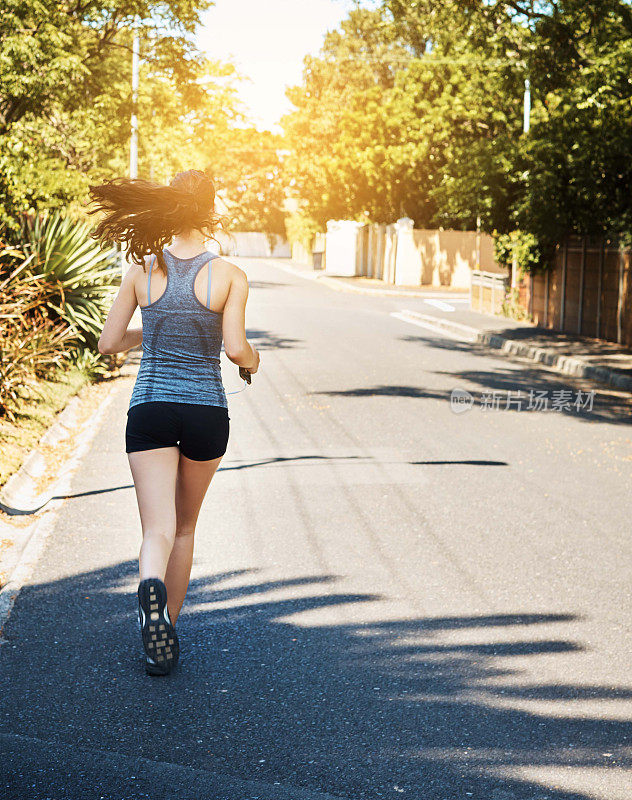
154 473
193 480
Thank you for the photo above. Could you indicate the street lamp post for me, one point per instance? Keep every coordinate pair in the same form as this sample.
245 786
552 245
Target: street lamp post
527 106
133 147
133 142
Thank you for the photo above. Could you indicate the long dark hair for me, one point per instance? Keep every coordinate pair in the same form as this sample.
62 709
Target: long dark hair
148 215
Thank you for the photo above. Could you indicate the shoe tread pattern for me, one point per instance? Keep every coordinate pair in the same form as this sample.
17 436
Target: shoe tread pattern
160 639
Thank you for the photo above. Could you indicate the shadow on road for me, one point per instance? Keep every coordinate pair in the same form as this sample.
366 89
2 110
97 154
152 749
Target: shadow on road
92 491
421 708
268 340
607 406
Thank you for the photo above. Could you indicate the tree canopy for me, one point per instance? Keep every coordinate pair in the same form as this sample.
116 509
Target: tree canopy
66 101
417 109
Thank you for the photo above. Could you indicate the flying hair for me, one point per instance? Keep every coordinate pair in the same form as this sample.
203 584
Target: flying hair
146 216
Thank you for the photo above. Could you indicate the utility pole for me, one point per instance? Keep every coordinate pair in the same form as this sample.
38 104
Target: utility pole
133 142
133 145
527 106
478 241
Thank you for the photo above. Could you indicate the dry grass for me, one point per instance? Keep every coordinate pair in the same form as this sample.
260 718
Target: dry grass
34 417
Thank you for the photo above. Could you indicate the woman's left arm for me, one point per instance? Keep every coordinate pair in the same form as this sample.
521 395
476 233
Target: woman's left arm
115 336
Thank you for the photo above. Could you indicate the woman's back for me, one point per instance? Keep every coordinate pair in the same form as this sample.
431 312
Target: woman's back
182 337
178 426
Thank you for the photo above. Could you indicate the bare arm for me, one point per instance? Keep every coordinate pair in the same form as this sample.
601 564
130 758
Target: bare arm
115 336
236 345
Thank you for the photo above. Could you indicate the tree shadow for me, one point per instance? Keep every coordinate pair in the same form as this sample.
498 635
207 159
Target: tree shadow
267 690
609 405
296 461
268 340
92 491
606 406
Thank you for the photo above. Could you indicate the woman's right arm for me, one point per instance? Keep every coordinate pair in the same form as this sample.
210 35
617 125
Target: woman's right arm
236 345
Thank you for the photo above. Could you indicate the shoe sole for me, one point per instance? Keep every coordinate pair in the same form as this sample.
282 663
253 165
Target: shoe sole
160 639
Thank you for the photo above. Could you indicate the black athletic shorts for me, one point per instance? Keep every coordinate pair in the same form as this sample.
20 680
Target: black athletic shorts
200 431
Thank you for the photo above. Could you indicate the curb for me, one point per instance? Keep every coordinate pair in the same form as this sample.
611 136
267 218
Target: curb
18 496
341 286
335 282
30 541
566 365
19 489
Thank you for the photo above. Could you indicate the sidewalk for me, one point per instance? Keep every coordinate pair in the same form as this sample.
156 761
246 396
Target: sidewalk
581 356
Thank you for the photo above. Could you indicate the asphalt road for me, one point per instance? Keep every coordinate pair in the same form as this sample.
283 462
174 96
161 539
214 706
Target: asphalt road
389 599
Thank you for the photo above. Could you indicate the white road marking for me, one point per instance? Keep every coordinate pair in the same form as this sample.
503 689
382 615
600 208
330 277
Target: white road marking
407 317
440 305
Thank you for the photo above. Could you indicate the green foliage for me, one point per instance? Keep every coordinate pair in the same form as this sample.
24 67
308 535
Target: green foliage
26 356
12 201
518 245
572 172
55 291
350 144
417 108
301 228
96 366
248 173
32 346
76 279
512 307
66 102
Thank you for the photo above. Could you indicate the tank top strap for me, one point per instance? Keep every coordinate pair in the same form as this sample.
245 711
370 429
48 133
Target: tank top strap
210 275
199 266
149 271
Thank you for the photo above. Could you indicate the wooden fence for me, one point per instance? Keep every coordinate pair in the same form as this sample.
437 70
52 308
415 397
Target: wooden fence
587 291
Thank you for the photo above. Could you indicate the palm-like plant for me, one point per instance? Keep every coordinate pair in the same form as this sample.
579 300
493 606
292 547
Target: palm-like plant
76 277
55 292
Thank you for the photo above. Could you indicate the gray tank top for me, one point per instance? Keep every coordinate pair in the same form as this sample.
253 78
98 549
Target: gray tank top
182 340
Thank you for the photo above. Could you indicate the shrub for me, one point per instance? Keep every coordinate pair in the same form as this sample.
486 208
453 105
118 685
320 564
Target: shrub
56 288
521 245
301 228
32 346
75 276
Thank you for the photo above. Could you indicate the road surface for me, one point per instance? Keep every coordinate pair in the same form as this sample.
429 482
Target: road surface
389 599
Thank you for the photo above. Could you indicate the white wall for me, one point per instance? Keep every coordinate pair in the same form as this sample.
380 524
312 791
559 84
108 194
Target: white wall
342 246
253 244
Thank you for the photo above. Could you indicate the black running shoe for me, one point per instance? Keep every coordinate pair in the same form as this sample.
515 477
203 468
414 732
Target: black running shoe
160 639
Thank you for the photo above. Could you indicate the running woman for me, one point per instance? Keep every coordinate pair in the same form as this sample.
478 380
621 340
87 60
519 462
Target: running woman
177 421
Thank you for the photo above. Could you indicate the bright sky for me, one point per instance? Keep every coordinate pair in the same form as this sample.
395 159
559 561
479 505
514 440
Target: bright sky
267 40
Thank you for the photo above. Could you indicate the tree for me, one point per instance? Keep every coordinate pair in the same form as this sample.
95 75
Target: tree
417 108
348 154
571 173
65 106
